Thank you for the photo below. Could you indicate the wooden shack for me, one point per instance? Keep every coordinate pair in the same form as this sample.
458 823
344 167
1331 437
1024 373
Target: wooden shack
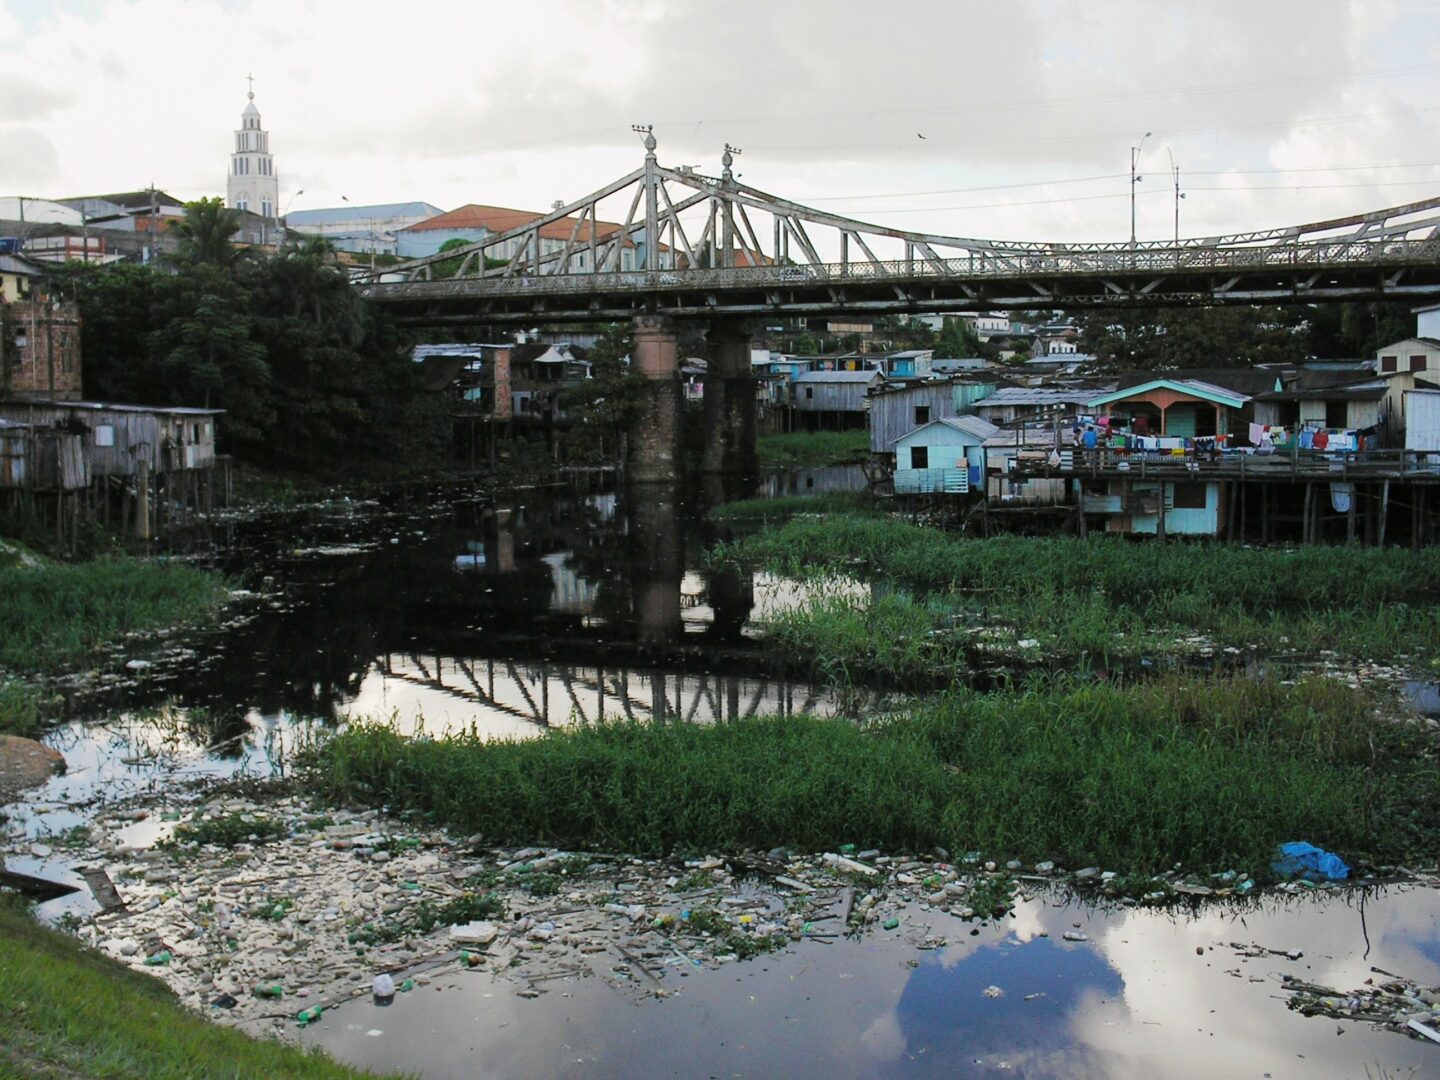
148 464
833 400
943 456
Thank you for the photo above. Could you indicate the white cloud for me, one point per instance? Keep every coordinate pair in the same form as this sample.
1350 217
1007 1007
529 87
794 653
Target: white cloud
454 102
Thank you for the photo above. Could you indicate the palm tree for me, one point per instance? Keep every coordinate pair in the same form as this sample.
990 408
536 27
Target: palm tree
205 233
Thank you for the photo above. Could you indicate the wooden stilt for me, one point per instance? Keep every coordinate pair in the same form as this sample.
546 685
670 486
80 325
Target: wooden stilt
1350 516
1306 522
1384 510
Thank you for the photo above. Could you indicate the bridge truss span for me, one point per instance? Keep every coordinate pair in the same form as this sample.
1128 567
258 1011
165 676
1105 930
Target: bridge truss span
687 245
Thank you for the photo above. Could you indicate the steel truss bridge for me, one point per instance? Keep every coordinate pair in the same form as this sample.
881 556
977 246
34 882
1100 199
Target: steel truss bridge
694 246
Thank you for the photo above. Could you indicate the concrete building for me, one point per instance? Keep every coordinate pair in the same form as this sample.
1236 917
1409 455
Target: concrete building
42 344
252 183
361 229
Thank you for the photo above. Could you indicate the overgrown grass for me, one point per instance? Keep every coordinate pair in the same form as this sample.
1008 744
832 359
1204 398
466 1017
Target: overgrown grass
802 448
57 616
1212 774
70 1012
1109 597
22 707
788 506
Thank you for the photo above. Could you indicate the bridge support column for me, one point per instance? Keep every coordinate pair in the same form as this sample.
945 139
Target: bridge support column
729 402
655 437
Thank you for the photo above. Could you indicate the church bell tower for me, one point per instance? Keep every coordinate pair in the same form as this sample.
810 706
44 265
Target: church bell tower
252 184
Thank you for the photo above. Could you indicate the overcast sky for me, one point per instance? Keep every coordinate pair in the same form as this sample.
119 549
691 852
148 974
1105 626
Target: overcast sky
1276 111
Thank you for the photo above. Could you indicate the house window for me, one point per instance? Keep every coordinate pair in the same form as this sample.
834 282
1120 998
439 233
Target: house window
1189 497
922 414
1388 363
1417 363
1336 414
919 457
104 435
265 208
809 393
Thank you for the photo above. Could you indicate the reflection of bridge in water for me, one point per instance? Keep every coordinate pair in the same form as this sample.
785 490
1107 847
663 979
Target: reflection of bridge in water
552 694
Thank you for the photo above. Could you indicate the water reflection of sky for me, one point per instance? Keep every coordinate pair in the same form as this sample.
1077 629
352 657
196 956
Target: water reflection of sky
1134 1001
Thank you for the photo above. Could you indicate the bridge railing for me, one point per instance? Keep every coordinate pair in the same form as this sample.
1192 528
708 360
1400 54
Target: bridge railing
975 265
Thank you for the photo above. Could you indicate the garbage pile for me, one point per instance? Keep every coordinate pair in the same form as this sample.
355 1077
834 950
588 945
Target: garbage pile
1391 1002
265 913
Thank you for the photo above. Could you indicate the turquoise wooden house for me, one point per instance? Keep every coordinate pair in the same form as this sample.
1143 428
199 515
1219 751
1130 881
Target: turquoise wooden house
945 455
1173 410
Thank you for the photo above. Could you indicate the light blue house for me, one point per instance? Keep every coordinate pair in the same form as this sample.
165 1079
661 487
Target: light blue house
945 455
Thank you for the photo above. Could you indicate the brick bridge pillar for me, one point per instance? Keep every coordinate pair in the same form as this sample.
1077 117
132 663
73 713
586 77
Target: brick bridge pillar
655 437
729 402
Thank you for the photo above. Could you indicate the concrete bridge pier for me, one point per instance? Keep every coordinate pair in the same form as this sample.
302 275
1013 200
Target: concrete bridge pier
655 437
729 402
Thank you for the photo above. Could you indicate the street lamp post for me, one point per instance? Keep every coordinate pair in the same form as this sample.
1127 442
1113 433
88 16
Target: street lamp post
1134 179
370 221
1175 174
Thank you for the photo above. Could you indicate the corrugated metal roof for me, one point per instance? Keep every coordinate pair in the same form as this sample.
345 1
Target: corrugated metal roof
110 406
1193 387
334 215
454 348
1036 395
837 376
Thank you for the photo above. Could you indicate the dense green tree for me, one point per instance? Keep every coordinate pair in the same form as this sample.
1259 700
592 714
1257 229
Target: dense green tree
309 375
958 339
609 402
1128 339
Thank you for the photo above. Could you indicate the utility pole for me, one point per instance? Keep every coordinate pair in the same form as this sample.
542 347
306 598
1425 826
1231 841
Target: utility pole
1175 173
153 252
1134 179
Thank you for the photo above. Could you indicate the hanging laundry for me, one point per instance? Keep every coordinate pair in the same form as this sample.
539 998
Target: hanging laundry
1322 439
1257 434
1307 439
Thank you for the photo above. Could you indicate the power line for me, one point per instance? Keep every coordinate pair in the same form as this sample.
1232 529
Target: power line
1116 176
1143 194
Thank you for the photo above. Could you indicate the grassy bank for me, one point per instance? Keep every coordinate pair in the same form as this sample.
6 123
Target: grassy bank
800 448
57 616
1133 779
70 1012
1101 596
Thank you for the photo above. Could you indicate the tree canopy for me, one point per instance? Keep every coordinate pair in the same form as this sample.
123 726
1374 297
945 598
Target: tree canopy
309 376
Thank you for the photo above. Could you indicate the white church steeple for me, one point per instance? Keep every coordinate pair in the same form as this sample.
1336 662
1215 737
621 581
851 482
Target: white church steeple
252 184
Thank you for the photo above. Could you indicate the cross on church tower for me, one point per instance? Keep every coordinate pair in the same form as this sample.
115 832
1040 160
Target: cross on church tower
250 79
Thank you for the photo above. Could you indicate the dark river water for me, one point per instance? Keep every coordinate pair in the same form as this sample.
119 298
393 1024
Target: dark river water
456 611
